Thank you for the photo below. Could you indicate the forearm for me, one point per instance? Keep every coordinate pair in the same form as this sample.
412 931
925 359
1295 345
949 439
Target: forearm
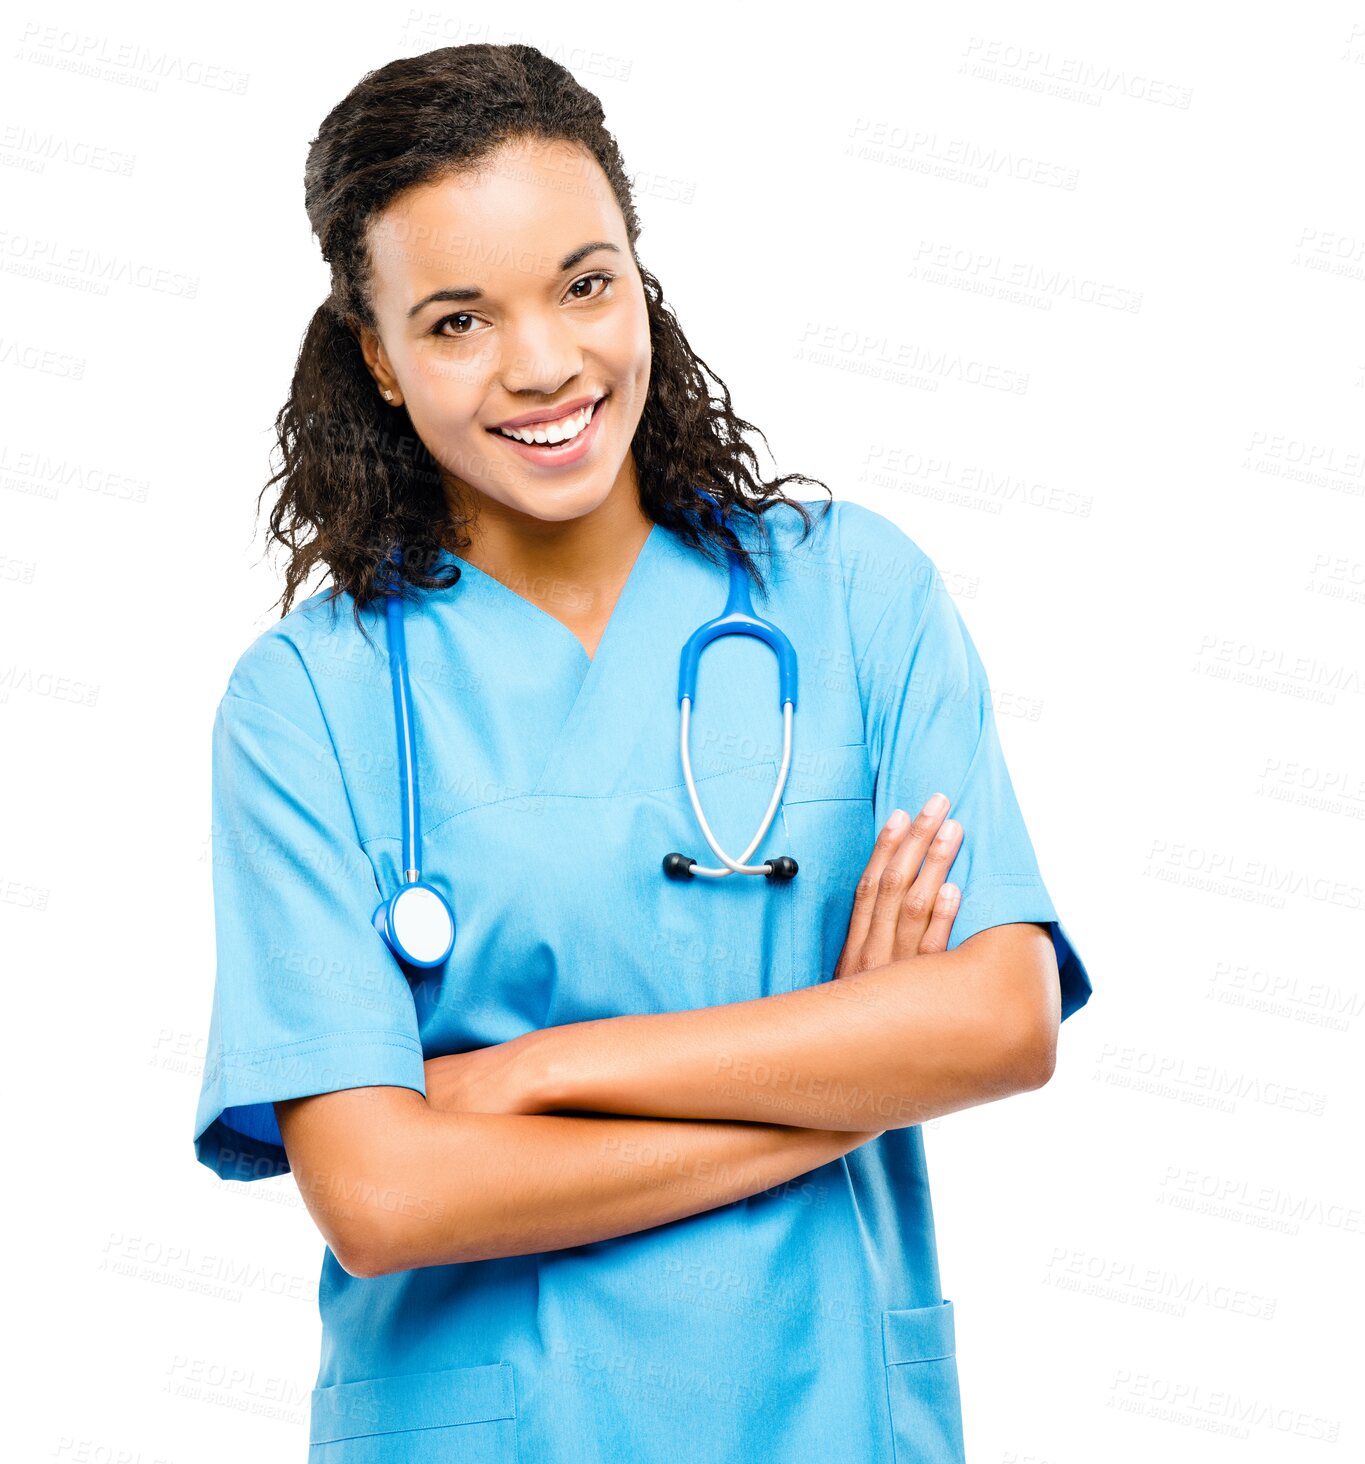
898 1045
477 1186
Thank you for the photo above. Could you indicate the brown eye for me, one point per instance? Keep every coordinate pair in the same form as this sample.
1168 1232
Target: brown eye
461 315
588 279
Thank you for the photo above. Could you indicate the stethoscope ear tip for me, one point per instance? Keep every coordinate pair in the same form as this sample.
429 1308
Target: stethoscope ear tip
678 866
783 868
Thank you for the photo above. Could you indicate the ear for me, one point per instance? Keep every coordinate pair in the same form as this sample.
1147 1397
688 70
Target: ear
377 362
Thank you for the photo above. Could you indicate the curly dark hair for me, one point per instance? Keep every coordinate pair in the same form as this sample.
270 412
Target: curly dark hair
357 481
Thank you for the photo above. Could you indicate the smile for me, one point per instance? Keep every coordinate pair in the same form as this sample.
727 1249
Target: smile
562 442
563 429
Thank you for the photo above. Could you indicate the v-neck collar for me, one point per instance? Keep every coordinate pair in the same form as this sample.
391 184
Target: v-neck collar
558 722
490 585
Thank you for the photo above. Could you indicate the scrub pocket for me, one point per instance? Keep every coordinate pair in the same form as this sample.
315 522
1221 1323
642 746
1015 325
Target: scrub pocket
464 1413
921 1385
828 821
702 942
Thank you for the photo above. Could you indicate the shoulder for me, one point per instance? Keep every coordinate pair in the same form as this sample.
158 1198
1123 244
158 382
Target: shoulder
876 564
881 562
901 618
873 551
288 666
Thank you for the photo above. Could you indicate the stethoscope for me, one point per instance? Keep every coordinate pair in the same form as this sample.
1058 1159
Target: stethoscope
416 921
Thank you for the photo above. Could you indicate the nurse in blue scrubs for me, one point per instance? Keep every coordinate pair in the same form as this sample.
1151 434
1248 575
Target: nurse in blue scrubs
636 1173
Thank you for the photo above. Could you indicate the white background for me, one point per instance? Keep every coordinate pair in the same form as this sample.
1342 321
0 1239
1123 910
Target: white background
1073 295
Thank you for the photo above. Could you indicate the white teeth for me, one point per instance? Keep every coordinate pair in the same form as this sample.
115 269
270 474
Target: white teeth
550 432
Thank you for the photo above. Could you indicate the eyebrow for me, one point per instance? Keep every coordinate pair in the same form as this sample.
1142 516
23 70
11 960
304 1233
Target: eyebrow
469 292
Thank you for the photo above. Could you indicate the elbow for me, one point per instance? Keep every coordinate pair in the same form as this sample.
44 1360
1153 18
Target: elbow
1024 1003
1016 1056
363 1226
1035 1057
344 1204
360 1244
1035 1002
393 1231
362 1260
1032 1054
381 1239
354 1153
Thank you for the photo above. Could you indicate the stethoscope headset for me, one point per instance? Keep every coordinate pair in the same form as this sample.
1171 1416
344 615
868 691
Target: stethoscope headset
417 922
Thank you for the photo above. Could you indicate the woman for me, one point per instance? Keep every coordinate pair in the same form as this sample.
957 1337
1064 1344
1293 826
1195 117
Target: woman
636 1172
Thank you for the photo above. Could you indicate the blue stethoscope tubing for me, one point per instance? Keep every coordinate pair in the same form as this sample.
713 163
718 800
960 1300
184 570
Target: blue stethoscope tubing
737 618
417 922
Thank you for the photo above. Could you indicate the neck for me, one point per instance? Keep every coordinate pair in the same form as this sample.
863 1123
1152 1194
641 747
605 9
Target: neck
574 566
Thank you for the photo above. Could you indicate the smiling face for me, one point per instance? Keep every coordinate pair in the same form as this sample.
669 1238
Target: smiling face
507 293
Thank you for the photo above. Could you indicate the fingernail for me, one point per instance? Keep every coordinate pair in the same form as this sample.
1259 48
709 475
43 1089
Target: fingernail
936 804
898 820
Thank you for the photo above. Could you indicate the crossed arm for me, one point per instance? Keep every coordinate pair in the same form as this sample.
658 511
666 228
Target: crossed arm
685 1111
896 1045
905 1032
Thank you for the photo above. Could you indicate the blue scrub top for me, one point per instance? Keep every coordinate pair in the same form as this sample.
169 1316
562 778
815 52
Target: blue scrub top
802 1322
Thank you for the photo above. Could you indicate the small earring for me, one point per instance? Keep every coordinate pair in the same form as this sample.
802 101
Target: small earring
388 395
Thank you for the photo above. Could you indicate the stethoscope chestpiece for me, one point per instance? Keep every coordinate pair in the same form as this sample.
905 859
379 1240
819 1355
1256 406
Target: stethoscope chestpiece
417 924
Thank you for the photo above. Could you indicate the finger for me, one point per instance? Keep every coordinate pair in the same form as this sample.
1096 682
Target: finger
896 879
865 893
946 906
920 901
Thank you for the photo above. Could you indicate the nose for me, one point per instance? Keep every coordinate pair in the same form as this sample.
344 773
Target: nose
541 354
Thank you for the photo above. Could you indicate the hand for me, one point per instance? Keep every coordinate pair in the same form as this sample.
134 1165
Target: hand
493 1079
901 910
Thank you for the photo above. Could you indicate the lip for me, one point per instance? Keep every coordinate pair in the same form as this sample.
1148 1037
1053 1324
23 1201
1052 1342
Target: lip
549 414
546 456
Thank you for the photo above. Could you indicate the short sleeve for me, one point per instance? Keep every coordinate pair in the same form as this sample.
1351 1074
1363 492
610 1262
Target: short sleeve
307 997
931 727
